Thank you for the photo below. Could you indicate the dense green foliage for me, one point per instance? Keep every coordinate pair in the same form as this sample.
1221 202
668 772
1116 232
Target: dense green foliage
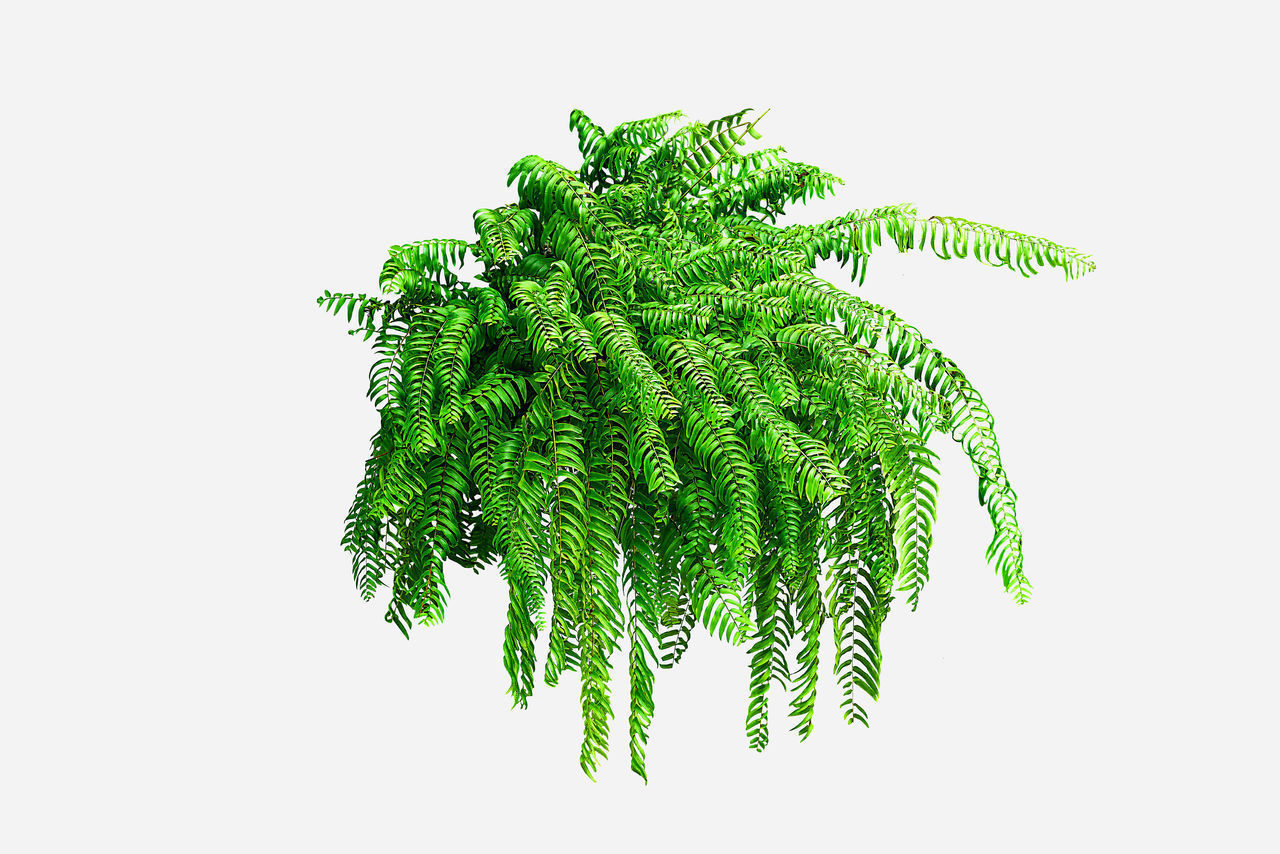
651 414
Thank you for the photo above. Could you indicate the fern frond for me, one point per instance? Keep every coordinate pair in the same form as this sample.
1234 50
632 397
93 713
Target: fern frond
953 237
721 454
599 605
642 582
770 189
809 610
568 532
503 233
617 340
854 236
451 357
424 269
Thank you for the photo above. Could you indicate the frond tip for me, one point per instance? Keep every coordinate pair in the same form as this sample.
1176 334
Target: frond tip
650 414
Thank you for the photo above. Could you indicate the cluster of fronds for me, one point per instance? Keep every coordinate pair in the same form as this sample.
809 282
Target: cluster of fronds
651 414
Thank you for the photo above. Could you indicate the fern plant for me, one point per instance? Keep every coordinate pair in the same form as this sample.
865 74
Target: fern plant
650 414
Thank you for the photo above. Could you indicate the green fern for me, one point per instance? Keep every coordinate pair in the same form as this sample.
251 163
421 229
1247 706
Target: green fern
651 414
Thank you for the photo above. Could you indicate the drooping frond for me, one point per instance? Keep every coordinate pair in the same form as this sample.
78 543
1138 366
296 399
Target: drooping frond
651 415
852 237
503 233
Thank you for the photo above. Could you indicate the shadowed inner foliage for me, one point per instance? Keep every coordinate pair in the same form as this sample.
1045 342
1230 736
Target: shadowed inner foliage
651 414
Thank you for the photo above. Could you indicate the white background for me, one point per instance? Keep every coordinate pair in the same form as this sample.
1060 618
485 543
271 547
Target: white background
186 663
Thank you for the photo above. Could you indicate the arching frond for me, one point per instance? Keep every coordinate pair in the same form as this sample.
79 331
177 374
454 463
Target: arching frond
425 269
503 233
852 237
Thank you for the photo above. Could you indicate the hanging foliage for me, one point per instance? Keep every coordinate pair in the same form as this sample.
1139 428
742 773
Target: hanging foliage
650 414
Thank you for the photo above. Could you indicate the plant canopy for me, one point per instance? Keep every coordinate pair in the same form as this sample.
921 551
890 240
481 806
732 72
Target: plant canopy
650 414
